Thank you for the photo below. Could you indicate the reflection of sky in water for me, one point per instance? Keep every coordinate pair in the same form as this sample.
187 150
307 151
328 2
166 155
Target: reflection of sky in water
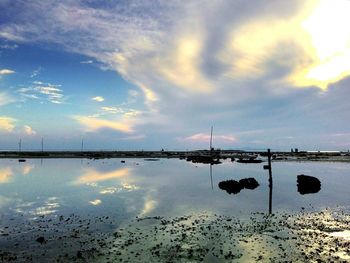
166 187
7 172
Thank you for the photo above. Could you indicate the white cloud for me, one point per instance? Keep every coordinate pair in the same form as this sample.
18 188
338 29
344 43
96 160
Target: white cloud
94 124
5 98
6 71
112 110
36 72
10 125
134 137
126 113
98 98
86 62
7 124
196 63
133 93
8 46
43 91
132 96
28 130
202 137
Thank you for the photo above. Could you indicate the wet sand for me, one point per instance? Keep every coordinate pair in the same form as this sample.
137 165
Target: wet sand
301 237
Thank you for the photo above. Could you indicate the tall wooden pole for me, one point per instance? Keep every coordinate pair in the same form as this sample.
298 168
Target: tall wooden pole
270 181
42 144
211 176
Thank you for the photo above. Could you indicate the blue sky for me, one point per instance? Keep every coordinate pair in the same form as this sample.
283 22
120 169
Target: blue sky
157 74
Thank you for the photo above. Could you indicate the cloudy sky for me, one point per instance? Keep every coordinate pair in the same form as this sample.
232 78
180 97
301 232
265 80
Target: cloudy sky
158 74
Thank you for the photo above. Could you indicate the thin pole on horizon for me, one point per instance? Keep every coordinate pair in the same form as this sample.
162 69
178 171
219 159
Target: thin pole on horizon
20 145
211 138
42 144
82 144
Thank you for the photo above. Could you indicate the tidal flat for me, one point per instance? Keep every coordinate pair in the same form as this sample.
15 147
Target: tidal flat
169 210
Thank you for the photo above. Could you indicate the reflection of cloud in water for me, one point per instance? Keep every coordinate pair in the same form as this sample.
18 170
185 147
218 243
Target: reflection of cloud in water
92 175
7 172
5 175
129 187
92 184
149 206
124 187
109 190
27 168
341 234
50 206
95 202
24 205
228 239
4 201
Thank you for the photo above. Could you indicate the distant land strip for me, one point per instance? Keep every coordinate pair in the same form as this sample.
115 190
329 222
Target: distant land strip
217 154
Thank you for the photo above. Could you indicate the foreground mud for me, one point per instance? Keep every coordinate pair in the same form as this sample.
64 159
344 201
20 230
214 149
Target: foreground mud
304 237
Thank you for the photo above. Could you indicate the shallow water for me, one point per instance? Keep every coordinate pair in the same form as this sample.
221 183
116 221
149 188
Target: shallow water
55 197
166 187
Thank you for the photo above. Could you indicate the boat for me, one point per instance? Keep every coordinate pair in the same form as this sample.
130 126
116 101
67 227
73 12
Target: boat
249 161
203 159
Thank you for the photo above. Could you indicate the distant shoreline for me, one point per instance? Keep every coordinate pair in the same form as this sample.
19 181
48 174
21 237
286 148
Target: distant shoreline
219 154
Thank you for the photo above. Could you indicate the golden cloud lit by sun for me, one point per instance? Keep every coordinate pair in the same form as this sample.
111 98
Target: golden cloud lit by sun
93 124
328 27
6 124
182 66
319 34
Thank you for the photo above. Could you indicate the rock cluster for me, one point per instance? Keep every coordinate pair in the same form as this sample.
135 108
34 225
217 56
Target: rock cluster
234 187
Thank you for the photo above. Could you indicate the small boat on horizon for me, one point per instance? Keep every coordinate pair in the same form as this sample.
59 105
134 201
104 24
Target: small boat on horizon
249 161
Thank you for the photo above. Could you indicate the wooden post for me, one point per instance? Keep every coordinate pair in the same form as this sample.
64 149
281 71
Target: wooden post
211 176
270 180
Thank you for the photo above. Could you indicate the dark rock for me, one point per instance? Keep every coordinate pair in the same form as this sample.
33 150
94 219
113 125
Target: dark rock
308 184
41 240
249 183
79 254
231 186
234 187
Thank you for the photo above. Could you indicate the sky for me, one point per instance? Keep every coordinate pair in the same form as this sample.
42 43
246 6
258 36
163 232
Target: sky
151 75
